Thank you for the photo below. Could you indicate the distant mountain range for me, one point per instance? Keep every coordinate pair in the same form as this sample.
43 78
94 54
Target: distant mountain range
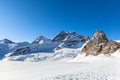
42 44
65 45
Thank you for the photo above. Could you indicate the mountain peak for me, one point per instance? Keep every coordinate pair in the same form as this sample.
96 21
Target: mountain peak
100 45
39 39
60 37
6 41
100 36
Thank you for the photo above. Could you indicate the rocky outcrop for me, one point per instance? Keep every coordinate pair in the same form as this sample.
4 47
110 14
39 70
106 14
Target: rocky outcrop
21 51
100 45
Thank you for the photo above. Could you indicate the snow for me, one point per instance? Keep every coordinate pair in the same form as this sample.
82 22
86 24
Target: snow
117 41
61 55
81 57
101 69
63 64
79 67
9 46
41 45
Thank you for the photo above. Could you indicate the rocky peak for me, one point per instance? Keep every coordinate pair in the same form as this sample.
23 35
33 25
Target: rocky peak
100 36
73 40
39 39
59 37
100 45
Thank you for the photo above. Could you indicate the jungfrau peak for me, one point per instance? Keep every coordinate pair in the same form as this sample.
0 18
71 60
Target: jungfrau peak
100 45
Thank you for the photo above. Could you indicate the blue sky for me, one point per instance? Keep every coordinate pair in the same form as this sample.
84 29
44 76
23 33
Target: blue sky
24 20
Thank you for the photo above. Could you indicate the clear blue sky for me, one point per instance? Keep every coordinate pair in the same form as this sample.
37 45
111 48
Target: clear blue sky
24 20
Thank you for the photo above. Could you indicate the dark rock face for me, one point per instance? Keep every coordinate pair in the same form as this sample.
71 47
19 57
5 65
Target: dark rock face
60 37
73 39
100 45
21 51
70 38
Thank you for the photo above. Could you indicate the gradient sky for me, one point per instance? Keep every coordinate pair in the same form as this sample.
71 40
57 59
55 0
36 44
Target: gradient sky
24 20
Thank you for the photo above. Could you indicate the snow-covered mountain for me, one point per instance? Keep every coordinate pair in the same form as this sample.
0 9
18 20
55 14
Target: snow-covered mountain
9 46
43 44
59 37
73 40
69 40
58 55
64 46
60 59
41 40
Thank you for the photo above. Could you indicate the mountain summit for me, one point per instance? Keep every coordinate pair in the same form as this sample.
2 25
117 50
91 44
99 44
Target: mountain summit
6 41
70 39
100 45
60 37
40 40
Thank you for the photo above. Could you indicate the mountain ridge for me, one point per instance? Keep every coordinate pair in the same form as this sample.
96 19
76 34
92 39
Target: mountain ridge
43 44
64 45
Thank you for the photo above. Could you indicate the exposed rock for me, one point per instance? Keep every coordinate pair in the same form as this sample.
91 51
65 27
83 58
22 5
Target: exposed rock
21 51
60 37
70 39
73 39
100 45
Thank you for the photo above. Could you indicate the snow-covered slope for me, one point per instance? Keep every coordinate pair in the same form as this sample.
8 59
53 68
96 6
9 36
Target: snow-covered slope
117 41
64 55
91 68
9 46
42 44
